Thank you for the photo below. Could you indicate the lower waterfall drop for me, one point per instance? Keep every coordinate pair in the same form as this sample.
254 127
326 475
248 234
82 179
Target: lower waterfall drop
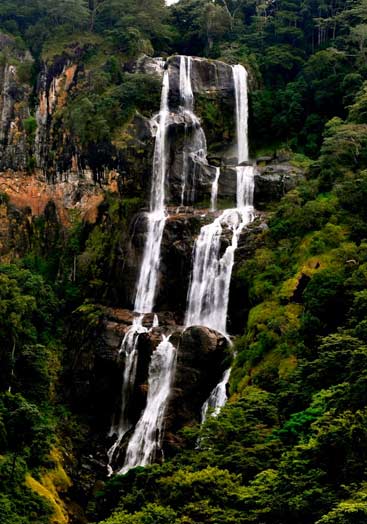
129 348
217 397
147 437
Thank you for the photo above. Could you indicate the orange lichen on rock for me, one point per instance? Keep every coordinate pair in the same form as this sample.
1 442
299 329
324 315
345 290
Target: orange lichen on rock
34 192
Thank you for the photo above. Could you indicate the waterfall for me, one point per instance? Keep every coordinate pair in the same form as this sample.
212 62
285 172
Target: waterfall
240 87
129 350
212 267
217 397
147 437
186 94
214 195
195 146
211 276
147 282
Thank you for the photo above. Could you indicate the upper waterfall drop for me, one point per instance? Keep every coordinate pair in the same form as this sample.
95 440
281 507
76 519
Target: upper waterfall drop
147 282
241 96
195 146
186 94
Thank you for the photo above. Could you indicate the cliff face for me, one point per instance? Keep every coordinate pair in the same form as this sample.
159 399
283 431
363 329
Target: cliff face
15 122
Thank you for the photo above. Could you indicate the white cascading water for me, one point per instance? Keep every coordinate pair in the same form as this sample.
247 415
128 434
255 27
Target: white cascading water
147 282
214 195
240 89
129 349
147 437
217 398
211 276
195 146
209 290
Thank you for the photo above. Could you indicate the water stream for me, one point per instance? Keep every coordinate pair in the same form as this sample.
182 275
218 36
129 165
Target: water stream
147 281
195 146
146 440
212 269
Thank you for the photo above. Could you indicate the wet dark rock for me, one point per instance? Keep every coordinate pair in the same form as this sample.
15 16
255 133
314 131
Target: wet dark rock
301 285
176 261
201 361
147 65
274 180
136 155
239 305
264 160
207 76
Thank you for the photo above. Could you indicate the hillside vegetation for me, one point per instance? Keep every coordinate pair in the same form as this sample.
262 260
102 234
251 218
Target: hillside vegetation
291 444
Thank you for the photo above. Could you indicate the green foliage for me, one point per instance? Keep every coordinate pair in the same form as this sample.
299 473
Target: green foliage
290 445
30 126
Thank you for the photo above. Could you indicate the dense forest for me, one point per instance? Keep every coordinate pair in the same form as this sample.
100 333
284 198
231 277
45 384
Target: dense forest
290 445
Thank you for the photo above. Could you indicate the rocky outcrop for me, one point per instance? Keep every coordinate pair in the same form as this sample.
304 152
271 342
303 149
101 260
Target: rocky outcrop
176 259
207 76
135 158
273 181
78 194
94 375
54 83
201 361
